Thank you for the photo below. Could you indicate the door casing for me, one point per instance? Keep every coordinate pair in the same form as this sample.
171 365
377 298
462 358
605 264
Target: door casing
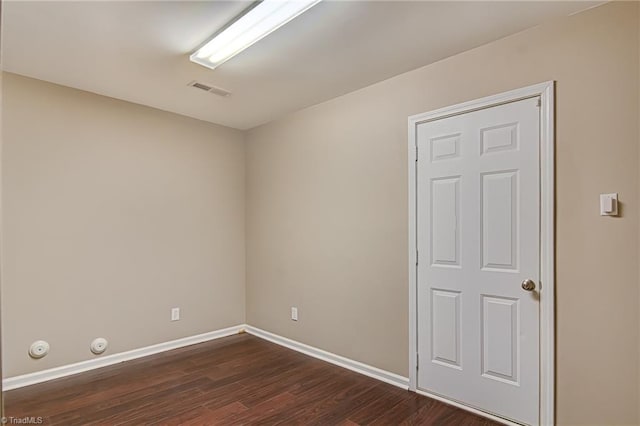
547 236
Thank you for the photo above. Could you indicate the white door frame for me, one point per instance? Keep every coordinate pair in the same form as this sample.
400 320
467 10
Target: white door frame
547 234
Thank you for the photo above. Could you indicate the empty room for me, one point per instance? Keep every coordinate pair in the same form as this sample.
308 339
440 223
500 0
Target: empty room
320 212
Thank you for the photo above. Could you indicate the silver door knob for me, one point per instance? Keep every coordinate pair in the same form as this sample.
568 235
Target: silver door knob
528 285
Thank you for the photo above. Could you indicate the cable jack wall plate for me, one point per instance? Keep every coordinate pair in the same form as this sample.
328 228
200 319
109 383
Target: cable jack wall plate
99 345
38 349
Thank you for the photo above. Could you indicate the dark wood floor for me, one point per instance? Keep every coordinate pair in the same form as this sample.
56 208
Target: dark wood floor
232 381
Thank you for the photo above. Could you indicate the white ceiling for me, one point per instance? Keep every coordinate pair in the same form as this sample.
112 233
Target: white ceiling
138 50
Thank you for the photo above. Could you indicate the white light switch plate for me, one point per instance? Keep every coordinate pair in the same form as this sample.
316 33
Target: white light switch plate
609 204
175 314
294 313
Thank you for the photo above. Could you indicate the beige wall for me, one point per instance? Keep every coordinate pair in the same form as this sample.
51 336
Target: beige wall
113 214
327 207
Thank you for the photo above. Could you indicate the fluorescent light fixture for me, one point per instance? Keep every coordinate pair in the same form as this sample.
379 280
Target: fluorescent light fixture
258 22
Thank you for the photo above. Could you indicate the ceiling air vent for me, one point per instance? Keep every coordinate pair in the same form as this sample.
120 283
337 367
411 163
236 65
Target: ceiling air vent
212 89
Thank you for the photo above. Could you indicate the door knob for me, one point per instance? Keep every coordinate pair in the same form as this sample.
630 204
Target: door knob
528 285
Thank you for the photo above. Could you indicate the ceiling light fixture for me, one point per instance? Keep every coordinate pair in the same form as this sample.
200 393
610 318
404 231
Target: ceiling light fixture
258 22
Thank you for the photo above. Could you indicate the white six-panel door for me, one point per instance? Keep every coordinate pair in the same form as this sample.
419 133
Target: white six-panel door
478 239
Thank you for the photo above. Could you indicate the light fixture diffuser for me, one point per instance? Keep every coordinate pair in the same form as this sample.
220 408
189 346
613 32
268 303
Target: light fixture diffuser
258 22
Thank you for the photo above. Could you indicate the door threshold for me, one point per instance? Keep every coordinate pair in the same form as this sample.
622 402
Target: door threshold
467 408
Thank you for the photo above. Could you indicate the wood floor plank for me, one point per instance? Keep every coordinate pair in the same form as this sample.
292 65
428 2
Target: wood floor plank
237 380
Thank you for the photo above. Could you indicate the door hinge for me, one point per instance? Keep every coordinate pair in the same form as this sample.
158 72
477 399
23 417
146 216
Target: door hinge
539 103
417 361
417 257
416 153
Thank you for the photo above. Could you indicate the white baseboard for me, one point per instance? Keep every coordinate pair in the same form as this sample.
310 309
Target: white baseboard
79 367
92 364
358 367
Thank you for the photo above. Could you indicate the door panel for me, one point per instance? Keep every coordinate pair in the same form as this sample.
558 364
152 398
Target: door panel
445 323
445 245
478 238
499 221
500 358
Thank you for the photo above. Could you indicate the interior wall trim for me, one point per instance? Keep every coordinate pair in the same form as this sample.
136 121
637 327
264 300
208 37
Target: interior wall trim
358 367
92 364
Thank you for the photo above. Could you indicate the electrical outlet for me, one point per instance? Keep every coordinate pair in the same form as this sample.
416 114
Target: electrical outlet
294 313
175 314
